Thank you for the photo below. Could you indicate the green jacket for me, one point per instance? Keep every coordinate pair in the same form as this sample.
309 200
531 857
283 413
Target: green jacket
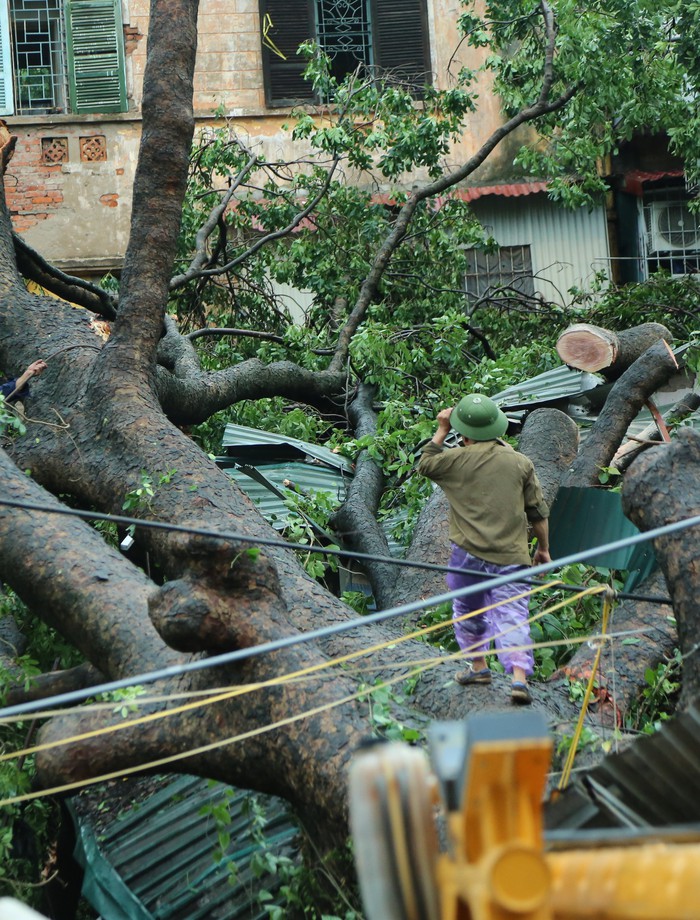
493 492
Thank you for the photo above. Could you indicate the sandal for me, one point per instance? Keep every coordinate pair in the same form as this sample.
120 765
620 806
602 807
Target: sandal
520 694
468 677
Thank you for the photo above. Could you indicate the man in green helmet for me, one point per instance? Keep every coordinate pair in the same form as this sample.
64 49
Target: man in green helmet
494 495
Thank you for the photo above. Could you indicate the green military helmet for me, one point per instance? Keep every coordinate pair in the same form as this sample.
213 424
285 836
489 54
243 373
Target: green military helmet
478 418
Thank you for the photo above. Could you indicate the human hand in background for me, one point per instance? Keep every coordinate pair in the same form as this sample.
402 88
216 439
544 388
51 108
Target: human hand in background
36 368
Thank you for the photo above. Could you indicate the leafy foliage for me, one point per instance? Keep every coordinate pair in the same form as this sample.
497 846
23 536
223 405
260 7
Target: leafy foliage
661 299
26 829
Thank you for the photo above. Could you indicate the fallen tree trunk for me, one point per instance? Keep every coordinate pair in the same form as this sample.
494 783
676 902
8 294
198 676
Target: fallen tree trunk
624 402
592 348
651 435
622 673
663 487
550 439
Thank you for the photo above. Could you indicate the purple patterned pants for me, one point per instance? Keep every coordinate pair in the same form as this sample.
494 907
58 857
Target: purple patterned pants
476 633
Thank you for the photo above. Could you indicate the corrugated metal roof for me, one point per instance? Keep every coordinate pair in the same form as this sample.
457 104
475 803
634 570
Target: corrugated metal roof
156 860
582 395
506 190
241 442
272 485
655 782
556 385
472 192
635 179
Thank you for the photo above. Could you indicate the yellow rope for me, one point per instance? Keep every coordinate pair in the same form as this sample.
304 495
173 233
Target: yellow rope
360 694
566 772
239 690
268 24
294 676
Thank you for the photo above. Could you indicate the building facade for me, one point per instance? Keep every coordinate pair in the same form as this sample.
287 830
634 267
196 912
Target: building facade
71 88
72 76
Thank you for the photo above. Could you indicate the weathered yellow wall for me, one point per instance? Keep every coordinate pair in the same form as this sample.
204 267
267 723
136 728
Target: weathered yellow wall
76 210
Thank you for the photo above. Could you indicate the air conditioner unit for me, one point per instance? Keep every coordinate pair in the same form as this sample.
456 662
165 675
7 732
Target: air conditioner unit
673 227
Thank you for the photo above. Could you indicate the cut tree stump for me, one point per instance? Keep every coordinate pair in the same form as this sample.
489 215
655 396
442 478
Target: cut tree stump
587 348
594 349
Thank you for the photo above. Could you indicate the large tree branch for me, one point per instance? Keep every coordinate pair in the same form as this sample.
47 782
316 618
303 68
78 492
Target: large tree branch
371 282
550 439
202 256
265 239
35 268
159 187
662 487
54 683
624 401
51 561
194 398
356 519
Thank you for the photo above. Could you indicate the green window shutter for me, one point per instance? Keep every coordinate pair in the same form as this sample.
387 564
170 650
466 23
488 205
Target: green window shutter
400 29
7 102
95 56
285 24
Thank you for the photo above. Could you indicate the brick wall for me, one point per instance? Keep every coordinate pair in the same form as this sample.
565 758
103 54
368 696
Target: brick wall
33 185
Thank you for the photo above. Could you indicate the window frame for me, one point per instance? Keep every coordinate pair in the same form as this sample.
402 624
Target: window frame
7 90
289 27
496 269
92 46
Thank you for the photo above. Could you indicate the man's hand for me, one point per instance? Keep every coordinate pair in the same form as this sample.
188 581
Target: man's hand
36 368
541 531
443 420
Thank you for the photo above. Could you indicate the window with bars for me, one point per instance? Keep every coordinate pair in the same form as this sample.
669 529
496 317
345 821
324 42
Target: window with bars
387 36
508 267
61 56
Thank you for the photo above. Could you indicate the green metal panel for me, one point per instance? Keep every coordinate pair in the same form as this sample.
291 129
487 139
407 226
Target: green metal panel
95 39
155 860
7 103
583 518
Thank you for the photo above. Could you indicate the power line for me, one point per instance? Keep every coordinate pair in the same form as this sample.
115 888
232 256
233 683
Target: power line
527 574
326 632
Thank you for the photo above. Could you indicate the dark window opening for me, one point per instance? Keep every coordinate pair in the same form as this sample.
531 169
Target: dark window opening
506 270
343 31
389 37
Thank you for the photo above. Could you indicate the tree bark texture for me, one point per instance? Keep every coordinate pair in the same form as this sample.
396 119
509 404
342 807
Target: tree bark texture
625 400
621 675
662 487
54 683
356 519
550 439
